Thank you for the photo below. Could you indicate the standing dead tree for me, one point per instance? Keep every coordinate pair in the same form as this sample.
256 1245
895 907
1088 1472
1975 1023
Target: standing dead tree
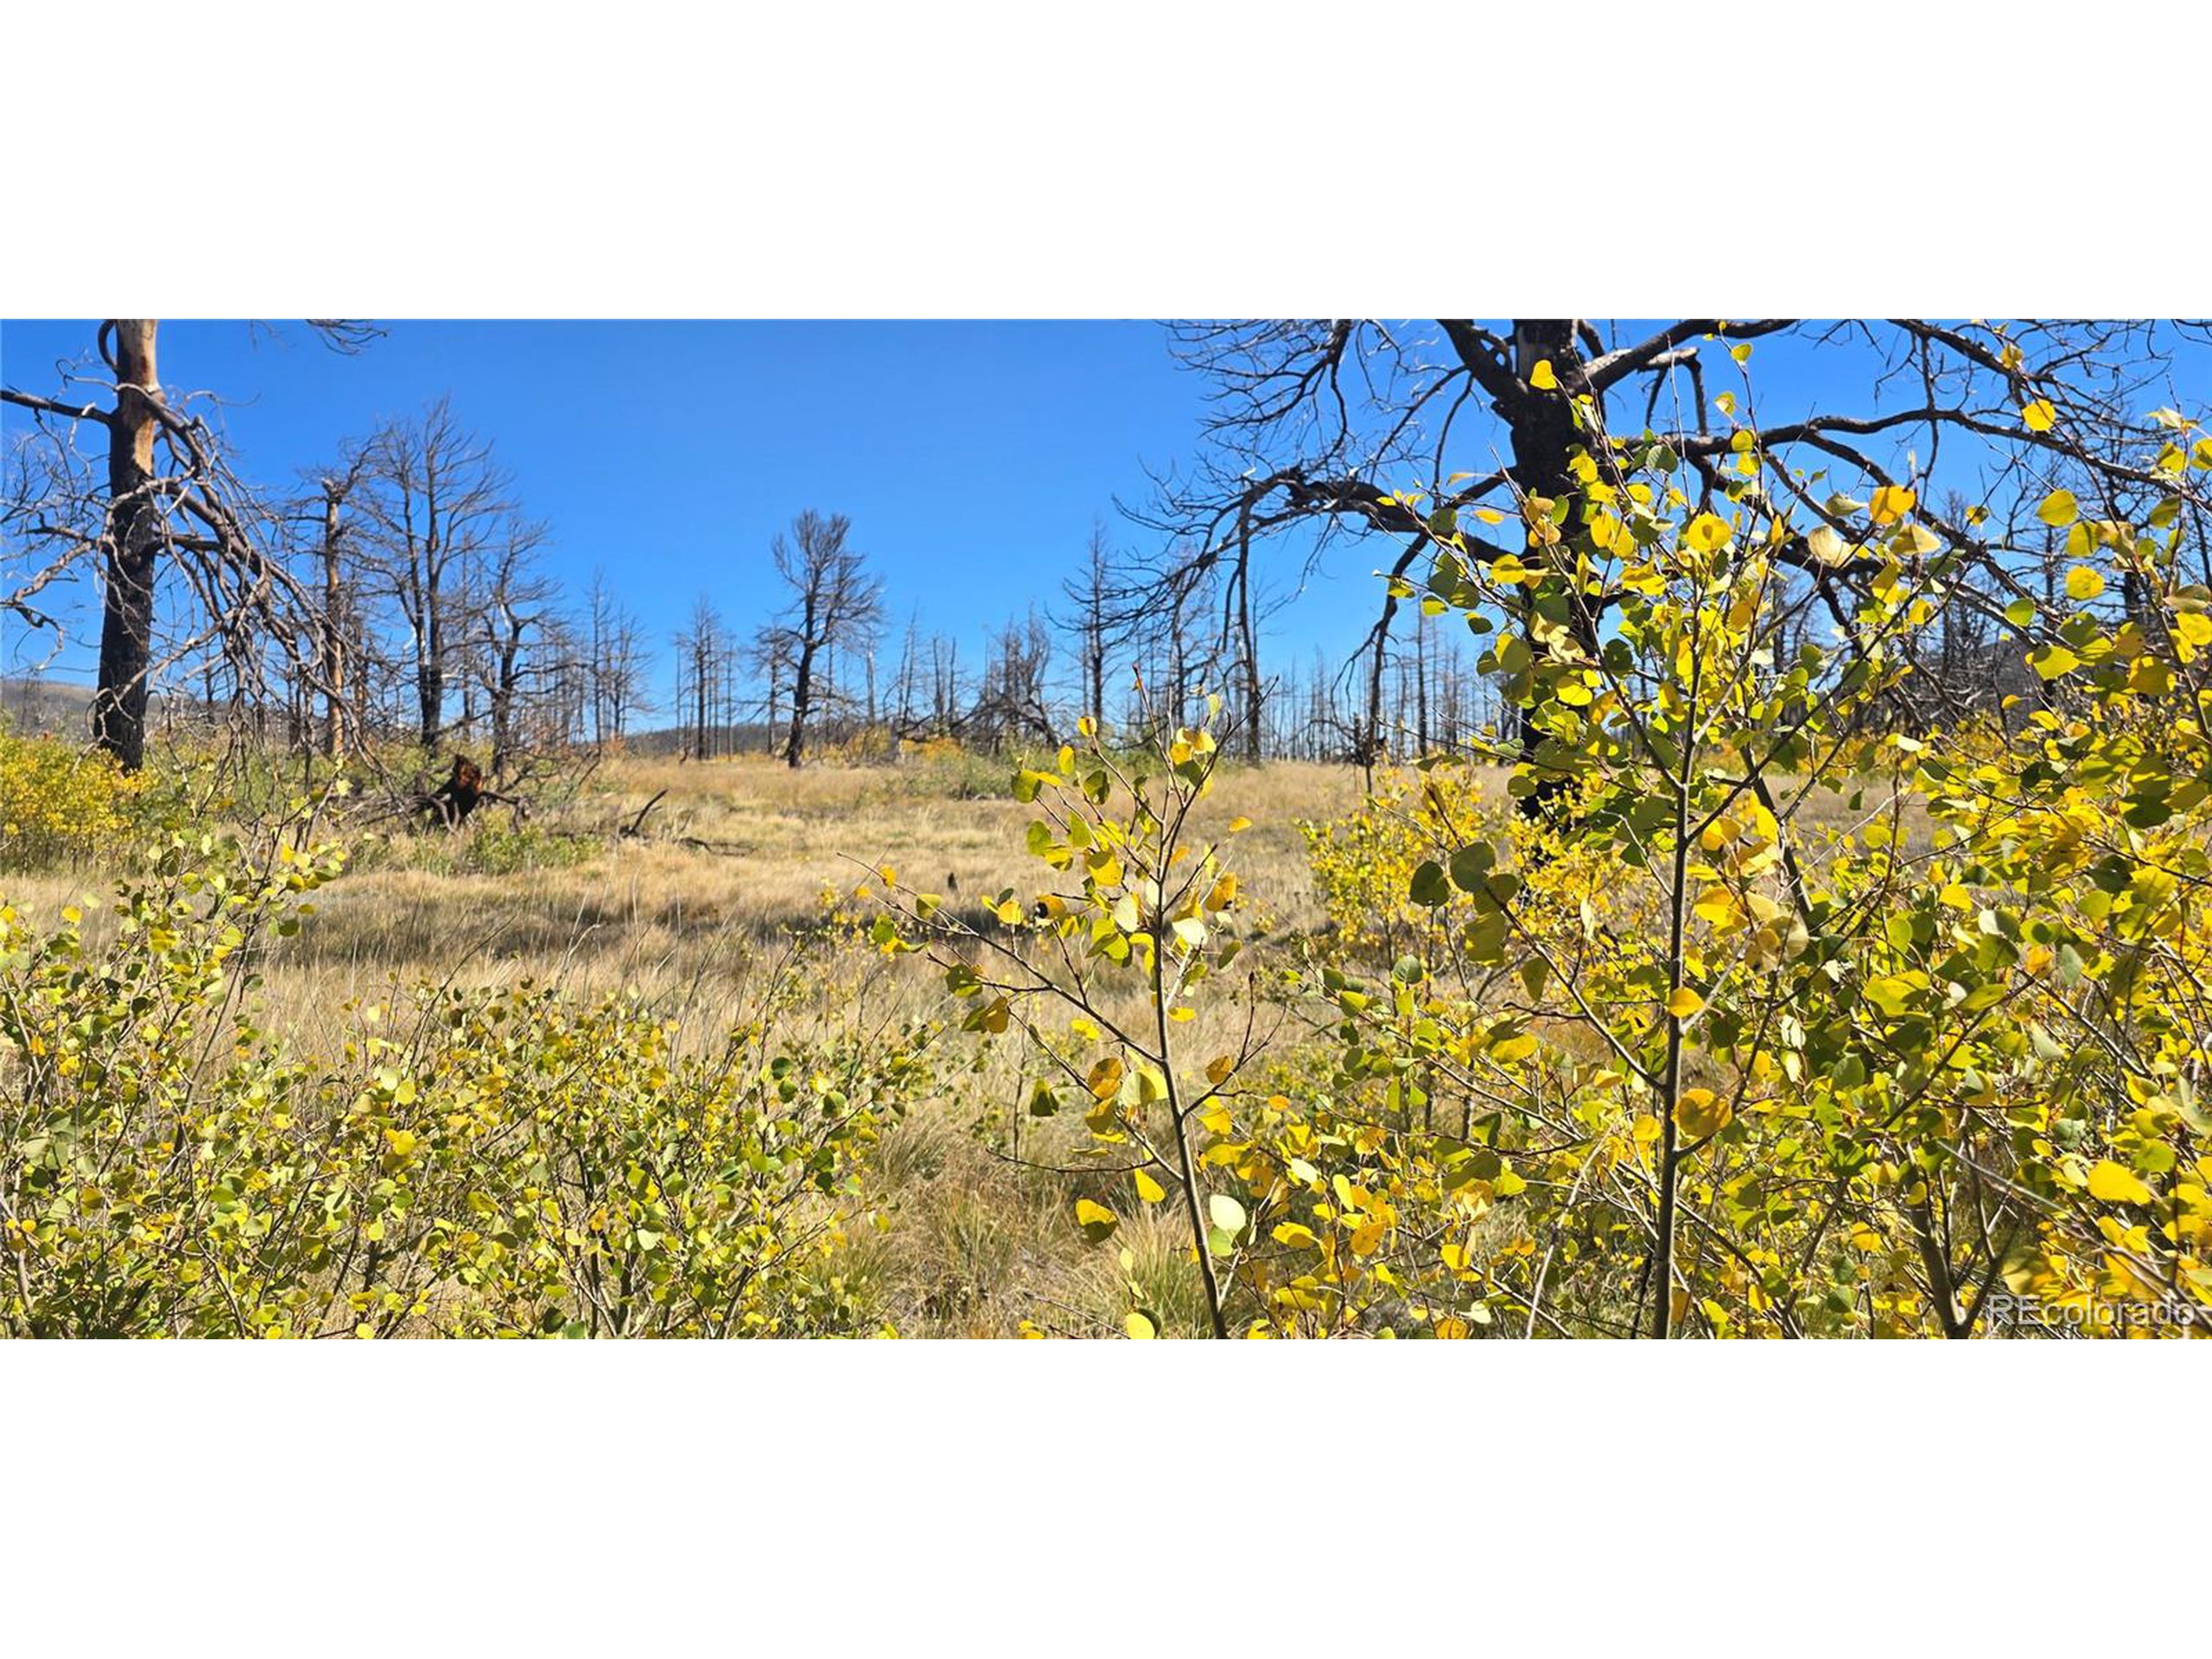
835 606
512 610
1092 622
432 501
1012 705
1394 430
163 502
615 648
701 652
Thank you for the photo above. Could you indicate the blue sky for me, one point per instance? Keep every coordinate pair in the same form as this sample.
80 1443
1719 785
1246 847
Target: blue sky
972 457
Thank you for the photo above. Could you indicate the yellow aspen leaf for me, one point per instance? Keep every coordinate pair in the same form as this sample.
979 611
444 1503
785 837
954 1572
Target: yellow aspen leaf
2040 415
2083 582
1542 377
1147 1189
1891 503
2117 1183
1707 533
1700 1112
1097 1221
2051 661
1140 1327
2059 508
1219 1068
1105 1079
1239 825
1685 1003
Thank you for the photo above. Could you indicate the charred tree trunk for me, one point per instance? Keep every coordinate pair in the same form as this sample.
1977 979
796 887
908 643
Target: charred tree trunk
802 695
334 642
1249 649
1544 438
134 540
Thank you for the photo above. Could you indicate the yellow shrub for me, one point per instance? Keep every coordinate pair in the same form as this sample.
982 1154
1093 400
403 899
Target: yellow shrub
59 803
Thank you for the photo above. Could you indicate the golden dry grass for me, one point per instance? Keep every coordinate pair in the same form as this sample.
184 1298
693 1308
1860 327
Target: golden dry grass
696 909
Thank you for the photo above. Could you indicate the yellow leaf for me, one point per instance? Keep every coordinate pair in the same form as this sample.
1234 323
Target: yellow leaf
2059 508
2051 661
1542 377
1684 1003
1096 1219
1218 1070
2083 582
1147 1189
1700 1112
1140 1328
2117 1183
2040 415
1707 533
1718 907
1105 1080
1827 546
1891 503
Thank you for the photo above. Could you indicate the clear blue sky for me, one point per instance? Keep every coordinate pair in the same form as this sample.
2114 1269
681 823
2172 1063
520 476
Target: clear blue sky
972 457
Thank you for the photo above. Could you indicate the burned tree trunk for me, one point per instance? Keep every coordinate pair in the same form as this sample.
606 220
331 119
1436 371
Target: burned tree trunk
134 542
462 793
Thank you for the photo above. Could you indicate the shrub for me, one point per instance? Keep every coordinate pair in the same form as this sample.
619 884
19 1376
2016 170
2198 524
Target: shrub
494 1162
60 803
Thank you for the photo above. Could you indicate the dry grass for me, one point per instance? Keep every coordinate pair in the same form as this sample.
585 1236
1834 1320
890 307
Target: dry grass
697 909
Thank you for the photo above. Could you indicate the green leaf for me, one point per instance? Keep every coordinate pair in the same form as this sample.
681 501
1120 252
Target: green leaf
1429 885
1892 996
1471 865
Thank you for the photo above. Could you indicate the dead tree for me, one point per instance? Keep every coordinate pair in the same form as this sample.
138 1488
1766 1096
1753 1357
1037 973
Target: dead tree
165 500
516 601
433 501
1342 423
836 605
1092 622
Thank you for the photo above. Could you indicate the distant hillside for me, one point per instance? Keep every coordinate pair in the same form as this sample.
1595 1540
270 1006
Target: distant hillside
35 704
